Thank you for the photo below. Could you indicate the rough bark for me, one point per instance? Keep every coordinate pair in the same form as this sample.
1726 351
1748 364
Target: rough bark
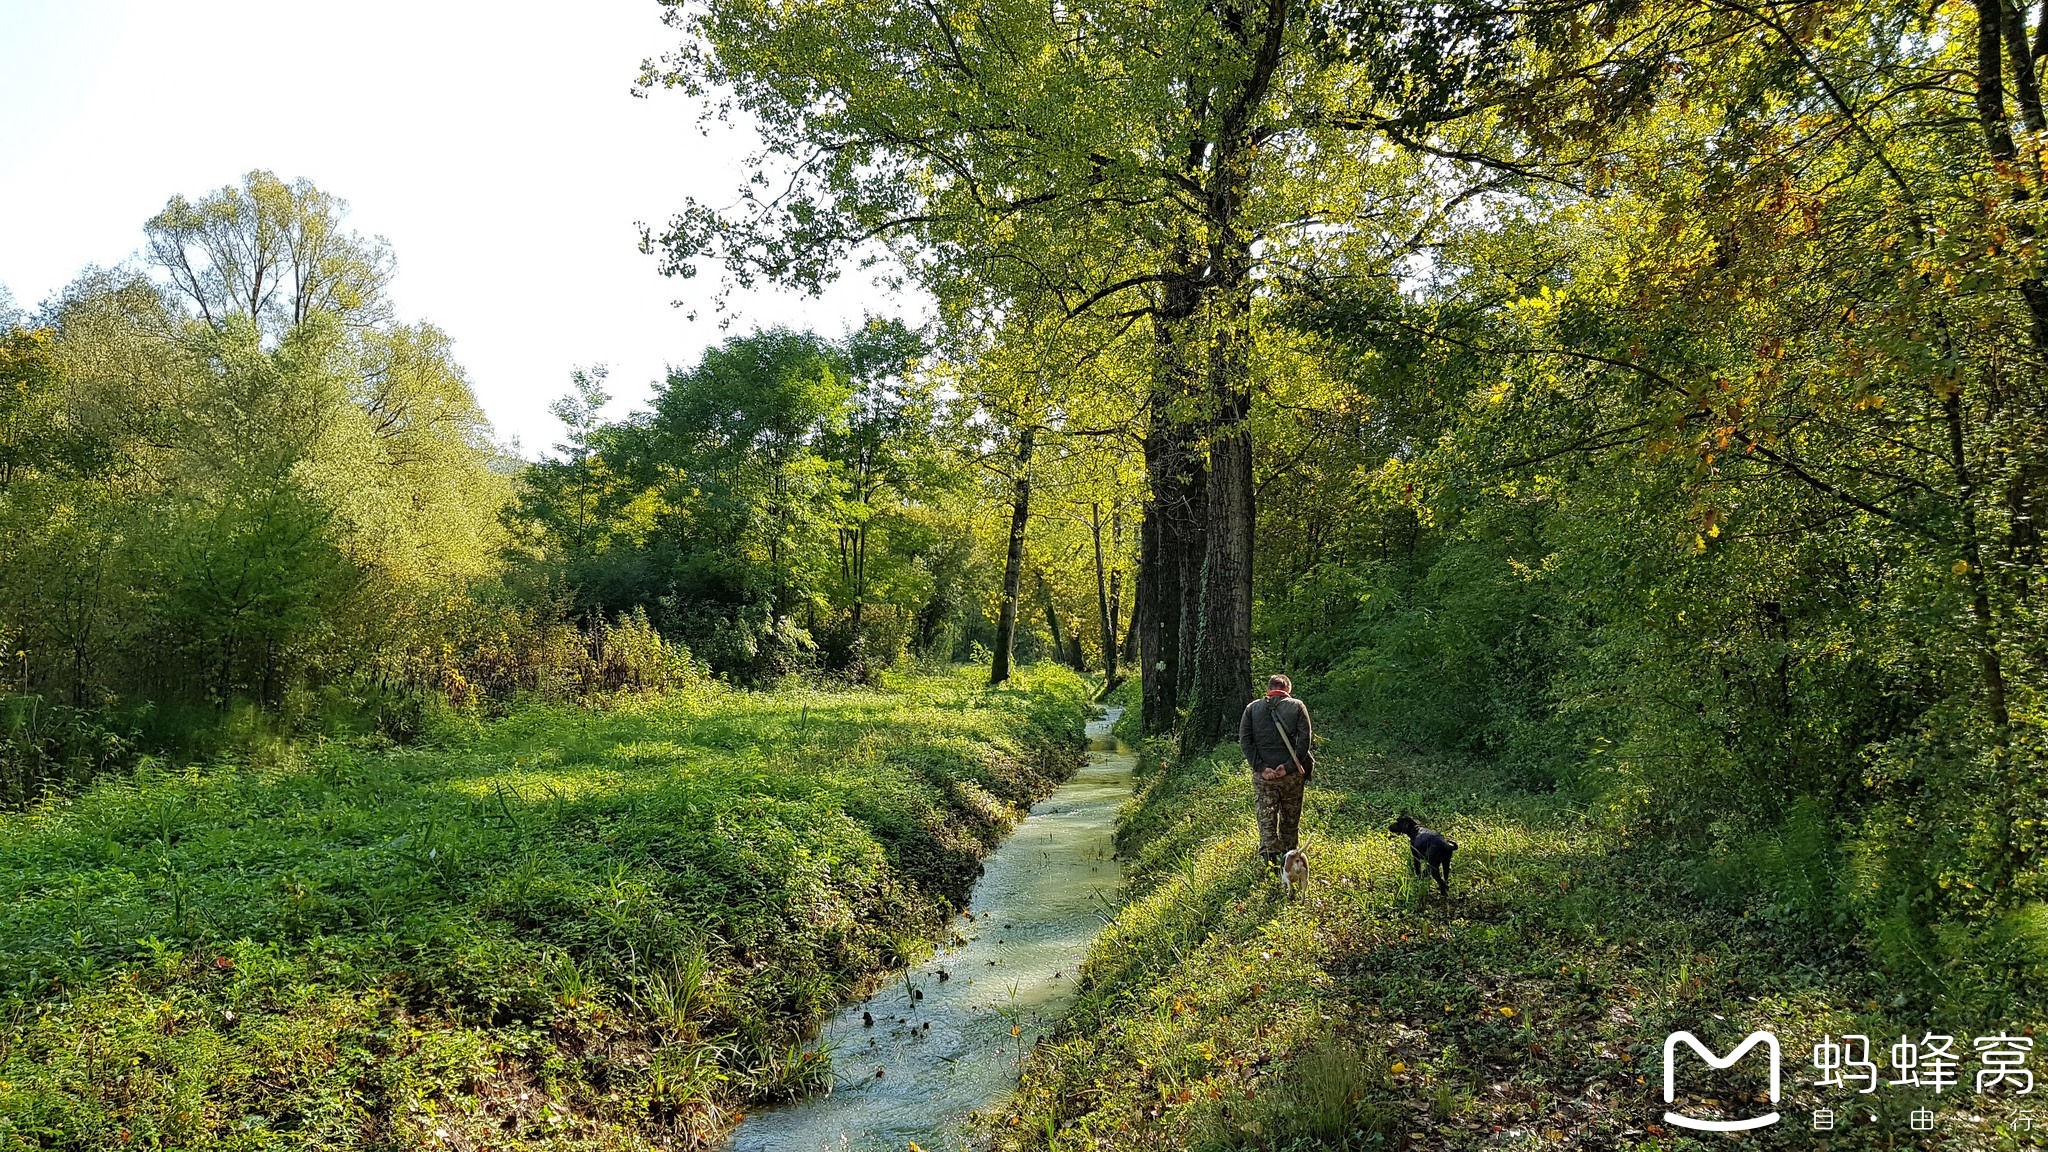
1126 627
1170 544
1196 543
1222 664
1223 652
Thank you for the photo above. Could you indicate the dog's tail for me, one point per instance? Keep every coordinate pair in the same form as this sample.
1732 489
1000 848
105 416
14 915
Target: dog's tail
1452 843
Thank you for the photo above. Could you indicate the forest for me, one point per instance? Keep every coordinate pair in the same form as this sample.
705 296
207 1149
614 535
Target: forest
1627 416
236 483
1643 398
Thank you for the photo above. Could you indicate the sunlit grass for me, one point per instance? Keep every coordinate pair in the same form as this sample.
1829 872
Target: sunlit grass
568 928
1524 1010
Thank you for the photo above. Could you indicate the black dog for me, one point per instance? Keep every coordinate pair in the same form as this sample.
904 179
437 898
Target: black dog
1426 850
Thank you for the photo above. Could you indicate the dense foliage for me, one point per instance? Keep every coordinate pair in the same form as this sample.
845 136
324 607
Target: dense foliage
237 493
1642 397
242 482
1705 482
798 504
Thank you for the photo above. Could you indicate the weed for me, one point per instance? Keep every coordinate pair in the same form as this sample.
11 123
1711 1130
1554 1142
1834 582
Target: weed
676 990
571 985
568 928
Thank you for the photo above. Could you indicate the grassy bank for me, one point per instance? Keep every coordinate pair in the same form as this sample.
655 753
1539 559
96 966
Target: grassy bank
1528 1011
567 929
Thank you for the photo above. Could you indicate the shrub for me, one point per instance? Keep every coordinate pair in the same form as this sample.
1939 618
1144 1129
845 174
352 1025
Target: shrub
47 748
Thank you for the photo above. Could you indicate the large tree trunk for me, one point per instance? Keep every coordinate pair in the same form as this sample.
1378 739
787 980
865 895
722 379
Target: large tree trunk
1013 567
1194 552
1223 651
1169 578
1170 545
1155 682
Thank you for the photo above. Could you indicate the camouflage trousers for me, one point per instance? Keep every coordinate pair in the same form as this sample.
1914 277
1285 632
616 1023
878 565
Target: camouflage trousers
1279 812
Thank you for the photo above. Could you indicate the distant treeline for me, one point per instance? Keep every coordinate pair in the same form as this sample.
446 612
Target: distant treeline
235 479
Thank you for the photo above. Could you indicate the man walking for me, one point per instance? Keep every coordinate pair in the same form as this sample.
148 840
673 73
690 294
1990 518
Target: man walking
1274 733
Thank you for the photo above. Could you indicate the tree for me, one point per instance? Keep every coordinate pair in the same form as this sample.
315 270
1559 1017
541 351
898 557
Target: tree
1133 165
1013 557
1703 460
244 481
788 499
30 439
886 454
745 428
274 252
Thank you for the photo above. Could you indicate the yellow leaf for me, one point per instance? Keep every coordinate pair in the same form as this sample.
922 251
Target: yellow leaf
1506 1011
1962 568
1398 1068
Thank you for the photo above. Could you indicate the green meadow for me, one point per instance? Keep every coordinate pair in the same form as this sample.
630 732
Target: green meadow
568 928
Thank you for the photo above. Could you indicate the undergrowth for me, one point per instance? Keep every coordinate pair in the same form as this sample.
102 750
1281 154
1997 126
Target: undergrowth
565 929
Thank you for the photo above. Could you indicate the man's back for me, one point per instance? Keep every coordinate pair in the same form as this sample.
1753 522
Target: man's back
1259 732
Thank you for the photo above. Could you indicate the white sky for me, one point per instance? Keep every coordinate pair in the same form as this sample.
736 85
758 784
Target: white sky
494 144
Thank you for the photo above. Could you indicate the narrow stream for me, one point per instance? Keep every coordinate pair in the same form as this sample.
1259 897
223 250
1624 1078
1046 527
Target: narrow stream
946 1037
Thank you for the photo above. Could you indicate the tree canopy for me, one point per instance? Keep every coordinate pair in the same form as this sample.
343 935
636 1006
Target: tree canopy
1642 396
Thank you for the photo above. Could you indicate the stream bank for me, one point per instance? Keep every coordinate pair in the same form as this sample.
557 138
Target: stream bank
564 929
914 1060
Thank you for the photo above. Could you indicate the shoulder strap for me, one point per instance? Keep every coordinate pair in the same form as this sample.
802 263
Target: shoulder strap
1282 730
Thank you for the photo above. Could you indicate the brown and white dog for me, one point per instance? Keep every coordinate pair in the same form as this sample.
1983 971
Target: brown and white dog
1294 872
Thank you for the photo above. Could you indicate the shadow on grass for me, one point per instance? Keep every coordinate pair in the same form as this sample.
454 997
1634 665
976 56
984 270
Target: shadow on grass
1527 1009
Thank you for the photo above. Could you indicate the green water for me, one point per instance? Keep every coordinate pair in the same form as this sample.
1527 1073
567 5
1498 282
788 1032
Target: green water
940 1048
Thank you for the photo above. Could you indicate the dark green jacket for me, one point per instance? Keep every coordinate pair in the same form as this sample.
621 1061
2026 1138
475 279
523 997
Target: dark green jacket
1258 732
